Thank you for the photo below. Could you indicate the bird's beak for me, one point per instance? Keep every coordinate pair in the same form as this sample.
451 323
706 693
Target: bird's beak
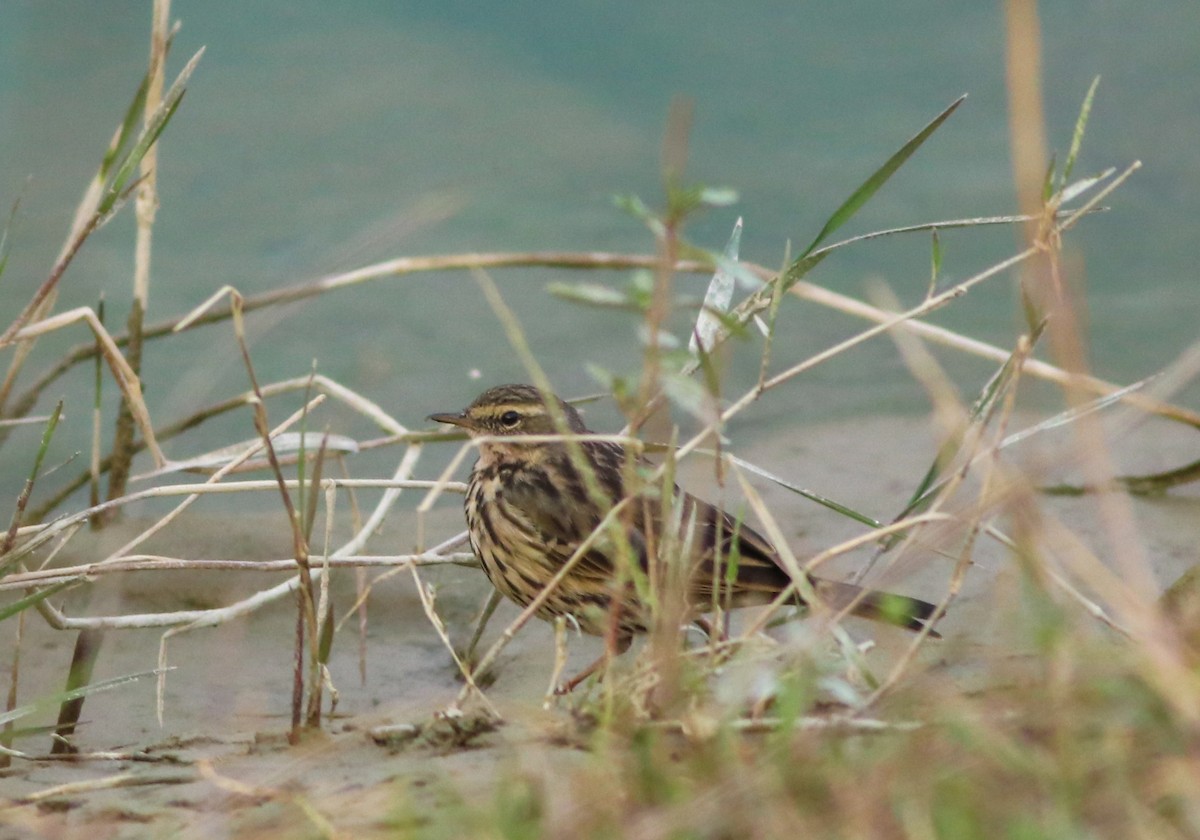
458 419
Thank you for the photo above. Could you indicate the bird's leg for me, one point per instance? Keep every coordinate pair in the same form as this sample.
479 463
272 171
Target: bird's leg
616 642
620 645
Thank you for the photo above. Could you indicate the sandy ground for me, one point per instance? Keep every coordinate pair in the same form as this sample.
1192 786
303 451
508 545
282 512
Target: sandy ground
220 764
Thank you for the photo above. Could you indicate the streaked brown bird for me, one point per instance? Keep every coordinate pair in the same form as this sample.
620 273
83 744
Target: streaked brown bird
529 508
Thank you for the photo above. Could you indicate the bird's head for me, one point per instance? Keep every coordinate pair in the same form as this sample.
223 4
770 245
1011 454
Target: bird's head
512 410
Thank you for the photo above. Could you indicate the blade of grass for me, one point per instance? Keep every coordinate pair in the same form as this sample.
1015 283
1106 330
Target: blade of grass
322 636
935 262
877 179
8 223
34 598
764 364
98 393
837 507
109 199
10 537
1072 191
984 404
1077 138
52 700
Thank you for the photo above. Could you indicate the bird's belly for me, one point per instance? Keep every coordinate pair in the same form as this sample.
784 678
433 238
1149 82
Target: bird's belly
523 573
514 558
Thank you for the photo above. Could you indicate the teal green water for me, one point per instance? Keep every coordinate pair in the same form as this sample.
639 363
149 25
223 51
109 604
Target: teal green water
319 137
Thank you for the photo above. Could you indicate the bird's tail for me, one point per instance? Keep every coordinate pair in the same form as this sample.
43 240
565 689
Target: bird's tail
900 610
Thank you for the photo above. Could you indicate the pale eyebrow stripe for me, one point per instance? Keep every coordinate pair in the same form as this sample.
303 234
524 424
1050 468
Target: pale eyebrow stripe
525 408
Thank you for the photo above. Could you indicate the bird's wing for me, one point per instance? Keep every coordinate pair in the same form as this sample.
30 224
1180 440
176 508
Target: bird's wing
565 514
728 548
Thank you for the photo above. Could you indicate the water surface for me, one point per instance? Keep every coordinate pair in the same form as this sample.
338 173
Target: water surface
319 137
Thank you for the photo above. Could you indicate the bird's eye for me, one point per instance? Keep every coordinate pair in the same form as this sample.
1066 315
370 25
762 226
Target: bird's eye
509 418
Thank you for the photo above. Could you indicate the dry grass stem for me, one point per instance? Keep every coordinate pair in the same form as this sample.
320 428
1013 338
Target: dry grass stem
126 378
427 596
129 778
159 563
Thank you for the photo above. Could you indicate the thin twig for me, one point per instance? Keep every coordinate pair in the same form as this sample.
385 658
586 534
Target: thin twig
119 780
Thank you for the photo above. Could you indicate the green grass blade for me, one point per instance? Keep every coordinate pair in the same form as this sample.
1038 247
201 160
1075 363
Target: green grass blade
128 126
1072 414
325 638
870 186
154 127
1070 192
4 244
10 538
808 494
51 700
1085 111
988 398
314 488
9 610
593 294
935 261
1048 179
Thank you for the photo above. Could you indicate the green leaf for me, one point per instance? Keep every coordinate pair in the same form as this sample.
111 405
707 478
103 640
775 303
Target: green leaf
937 254
1048 179
718 296
593 294
988 399
808 494
61 697
681 201
801 266
129 124
734 558
731 325
1080 125
634 206
935 262
641 289
1078 188
4 246
314 492
1029 308
870 186
718 196
127 129
325 640
33 598
47 434
154 127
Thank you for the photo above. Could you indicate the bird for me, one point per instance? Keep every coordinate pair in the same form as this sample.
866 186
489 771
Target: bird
529 507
